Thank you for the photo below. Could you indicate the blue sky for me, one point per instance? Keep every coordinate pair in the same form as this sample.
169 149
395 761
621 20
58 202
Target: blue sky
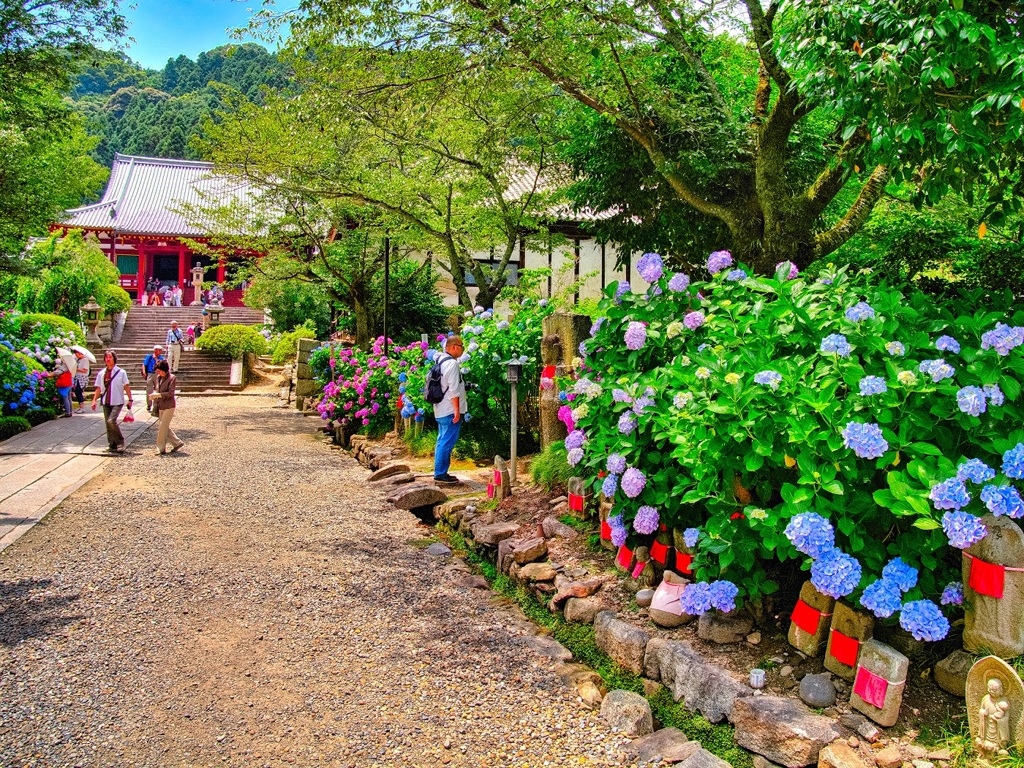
163 29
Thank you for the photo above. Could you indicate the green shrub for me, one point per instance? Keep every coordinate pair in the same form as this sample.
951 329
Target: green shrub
13 425
37 328
114 299
287 346
550 468
233 340
37 416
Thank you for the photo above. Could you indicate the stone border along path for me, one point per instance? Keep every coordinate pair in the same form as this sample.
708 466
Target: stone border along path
251 601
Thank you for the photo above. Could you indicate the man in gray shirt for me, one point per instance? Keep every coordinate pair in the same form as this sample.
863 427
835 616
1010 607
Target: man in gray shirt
450 410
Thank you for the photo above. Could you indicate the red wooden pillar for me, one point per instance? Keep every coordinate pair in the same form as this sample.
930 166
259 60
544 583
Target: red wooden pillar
220 271
182 265
143 268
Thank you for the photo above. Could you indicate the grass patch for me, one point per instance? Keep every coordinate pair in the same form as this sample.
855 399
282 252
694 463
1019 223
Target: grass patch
422 444
579 640
550 468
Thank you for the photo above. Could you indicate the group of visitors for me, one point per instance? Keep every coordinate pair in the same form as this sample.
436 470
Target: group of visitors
213 295
71 382
156 295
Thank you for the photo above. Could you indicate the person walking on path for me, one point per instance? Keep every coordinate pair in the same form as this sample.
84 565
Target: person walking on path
164 401
175 343
65 382
81 379
149 366
113 390
450 410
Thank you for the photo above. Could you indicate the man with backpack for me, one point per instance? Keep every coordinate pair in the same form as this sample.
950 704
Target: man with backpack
445 379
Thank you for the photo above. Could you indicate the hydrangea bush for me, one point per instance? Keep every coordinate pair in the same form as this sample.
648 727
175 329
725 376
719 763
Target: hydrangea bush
748 403
28 350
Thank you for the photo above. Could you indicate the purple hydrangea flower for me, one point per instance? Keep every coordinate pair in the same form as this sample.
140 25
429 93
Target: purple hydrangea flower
994 394
872 385
621 290
642 402
582 348
723 595
690 536
650 267
811 534
971 400
865 440
575 439
718 261
924 620
610 485
769 379
937 369
963 529
575 456
975 470
696 599
633 482
835 574
1003 500
947 344
619 535
860 311
1013 462
953 594
837 344
680 282
616 521
646 520
1002 339
636 335
597 326
616 464
791 271
950 494
896 349
627 423
736 275
900 574
882 598
693 320
621 396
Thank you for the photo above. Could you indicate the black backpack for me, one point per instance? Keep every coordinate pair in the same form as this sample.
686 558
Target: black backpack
433 391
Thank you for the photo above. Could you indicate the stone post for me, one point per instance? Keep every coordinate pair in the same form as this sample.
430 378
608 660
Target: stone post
880 681
849 630
993 574
305 386
605 510
563 333
579 498
501 487
812 616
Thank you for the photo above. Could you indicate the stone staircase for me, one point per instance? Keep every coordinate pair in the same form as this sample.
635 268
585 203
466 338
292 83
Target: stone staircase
198 371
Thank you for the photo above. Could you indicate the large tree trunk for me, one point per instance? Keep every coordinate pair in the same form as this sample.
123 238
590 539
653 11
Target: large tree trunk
362 313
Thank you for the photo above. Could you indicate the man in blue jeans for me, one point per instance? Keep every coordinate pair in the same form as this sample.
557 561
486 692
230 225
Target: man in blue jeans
450 410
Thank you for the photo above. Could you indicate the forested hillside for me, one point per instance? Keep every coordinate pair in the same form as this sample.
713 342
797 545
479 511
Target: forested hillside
139 111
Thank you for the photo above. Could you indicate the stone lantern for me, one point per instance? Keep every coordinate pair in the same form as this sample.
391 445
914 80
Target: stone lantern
213 312
197 285
91 314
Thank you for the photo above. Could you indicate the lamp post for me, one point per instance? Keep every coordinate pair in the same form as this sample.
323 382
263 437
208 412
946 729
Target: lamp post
513 371
91 312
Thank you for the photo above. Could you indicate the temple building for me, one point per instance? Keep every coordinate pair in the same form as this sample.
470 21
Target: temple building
141 222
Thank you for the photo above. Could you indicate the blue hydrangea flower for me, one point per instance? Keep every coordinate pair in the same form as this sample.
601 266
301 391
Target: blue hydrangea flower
616 464
835 574
575 456
723 595
680 282
1002 339
1003 500
646 520
953 594
502 325
947 344
616 521
718 261
950 494
736 275
610 485
811 534
924 620
883 598
900 574
770 379
1013 462
865 440
837 344
860 311
937 369
627 423
895 349
971 400
596 326
619 535
650 267
575 439
633 482
994 394
403 377
636 335
582 349
621 290
975 470
621 396
872 385
690 536
963 529
696 599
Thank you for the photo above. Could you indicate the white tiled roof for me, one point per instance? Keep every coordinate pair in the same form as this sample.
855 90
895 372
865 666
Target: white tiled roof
146 195
528 180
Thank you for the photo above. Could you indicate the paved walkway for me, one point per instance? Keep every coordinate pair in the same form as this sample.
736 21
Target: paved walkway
39 468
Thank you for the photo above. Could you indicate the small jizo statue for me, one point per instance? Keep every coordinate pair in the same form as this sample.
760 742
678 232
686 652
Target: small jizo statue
995 707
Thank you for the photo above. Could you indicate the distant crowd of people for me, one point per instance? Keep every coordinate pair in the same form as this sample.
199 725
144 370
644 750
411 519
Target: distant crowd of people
156 294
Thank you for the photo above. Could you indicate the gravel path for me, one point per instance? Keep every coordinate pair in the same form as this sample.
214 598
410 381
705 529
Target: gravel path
250 601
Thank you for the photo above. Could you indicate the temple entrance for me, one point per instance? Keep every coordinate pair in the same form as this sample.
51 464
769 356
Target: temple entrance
165 268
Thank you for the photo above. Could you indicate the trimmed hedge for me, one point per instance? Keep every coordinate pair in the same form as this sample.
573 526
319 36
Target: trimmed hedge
13 425
233 340
37 416
287 346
